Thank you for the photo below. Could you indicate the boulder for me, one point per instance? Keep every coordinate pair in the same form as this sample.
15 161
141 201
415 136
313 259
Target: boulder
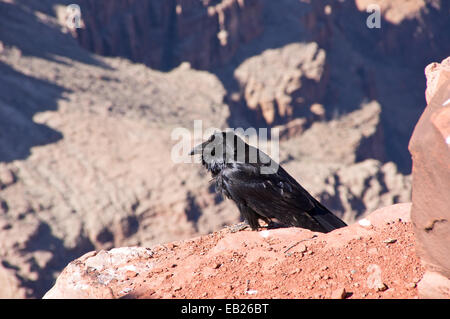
430 150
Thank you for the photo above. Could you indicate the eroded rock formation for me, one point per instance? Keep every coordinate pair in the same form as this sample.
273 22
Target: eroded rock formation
162 34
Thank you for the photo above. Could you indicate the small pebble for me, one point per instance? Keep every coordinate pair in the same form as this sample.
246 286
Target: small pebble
364 222
130 274
412 285
381 287
339 293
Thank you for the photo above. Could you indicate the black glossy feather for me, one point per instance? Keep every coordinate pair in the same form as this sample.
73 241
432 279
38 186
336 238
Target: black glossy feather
266 196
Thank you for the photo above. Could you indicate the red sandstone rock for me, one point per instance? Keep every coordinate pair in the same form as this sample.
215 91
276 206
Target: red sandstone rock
265 264
430 149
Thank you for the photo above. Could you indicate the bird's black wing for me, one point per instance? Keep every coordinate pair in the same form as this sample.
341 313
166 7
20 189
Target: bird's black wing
320 213
277 195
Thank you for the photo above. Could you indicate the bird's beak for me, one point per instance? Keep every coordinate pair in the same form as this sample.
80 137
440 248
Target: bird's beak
197 149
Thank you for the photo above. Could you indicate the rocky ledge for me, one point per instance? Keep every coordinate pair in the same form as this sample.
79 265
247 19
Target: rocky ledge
374 258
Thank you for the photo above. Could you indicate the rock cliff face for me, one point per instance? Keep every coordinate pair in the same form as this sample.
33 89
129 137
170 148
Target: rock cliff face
430 150
367 63
293 78
162 34
405 27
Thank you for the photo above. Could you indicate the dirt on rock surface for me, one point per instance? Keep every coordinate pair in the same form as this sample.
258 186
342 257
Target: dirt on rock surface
371 259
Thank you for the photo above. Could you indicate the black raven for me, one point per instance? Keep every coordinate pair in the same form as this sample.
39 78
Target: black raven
260 187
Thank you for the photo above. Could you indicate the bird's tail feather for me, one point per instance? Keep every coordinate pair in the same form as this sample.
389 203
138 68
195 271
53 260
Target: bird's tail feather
327 219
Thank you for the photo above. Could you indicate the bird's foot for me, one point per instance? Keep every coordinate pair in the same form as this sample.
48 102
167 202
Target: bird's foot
238 227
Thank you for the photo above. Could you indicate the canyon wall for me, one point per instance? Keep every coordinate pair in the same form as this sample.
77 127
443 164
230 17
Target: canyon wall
162 34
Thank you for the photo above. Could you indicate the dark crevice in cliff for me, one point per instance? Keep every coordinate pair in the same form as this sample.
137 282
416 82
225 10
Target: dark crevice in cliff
170 40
